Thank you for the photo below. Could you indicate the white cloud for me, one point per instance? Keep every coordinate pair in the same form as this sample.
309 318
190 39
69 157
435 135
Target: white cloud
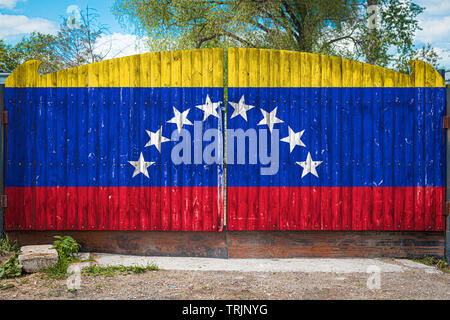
11 25
435 24
444 57
9 4
120 45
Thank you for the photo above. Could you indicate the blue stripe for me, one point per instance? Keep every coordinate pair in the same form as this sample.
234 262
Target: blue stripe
86 136
363 136
389 137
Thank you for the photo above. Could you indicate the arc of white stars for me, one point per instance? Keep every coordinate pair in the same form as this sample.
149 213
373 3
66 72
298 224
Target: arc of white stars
140 166
270 118
156 139
309 166
294 139
209 108
240 108
180 118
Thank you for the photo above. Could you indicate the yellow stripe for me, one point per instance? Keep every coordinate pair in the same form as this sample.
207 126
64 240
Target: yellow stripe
185 68
314 70
246 68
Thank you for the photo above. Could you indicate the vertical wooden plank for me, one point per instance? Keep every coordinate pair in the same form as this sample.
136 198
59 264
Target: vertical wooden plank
263 95
336 137
114 133
347 146
388 155
124 142
253 221
176 100
187 178
92 146
430 140
313 145
357 172
377 161
51 161
367 146
399 126
136 144
275 82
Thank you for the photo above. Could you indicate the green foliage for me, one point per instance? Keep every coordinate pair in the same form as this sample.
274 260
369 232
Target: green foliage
36 46
441 264
280 24
71 47
11 268
66 246
9 59
67 249
7 246
110 271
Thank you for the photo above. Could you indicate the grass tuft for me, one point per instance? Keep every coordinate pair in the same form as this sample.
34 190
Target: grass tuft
111 271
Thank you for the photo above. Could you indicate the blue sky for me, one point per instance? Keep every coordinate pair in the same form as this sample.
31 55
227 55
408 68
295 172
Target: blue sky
20 17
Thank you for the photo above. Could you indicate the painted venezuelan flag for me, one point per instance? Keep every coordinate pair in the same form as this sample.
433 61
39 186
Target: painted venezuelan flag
89 148
360 147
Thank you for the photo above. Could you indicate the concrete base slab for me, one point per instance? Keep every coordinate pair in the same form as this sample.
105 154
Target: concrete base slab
310 265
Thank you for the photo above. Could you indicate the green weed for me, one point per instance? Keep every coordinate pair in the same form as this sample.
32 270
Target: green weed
7 246
67 249
111 271
11 268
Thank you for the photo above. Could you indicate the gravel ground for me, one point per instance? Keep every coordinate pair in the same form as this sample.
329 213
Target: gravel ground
413 283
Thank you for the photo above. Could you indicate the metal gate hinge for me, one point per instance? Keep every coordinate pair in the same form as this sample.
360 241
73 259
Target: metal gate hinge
446 124
5 117
3 201
446 208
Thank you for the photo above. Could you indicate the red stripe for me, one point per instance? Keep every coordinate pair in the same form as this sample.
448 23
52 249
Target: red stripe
114 208
334 208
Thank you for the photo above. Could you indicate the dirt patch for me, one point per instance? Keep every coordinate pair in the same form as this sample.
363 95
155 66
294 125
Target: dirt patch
4 256
154 285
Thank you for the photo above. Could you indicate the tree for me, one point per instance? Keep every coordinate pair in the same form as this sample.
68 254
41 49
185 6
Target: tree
287 24
392 39
36 46
333 27
8 58
76 43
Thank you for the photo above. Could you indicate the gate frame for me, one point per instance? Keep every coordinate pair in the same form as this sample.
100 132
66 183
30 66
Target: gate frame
237 244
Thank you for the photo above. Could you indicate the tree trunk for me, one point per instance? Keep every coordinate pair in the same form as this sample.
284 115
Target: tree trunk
372 42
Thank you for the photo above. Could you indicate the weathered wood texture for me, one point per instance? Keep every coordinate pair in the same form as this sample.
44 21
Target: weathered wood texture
334 244
251 244
185 244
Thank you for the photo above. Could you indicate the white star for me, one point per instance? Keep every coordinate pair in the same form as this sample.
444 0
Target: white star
240 108
294 139
210 108
140 166
180 118
156 139
270 118
309 166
